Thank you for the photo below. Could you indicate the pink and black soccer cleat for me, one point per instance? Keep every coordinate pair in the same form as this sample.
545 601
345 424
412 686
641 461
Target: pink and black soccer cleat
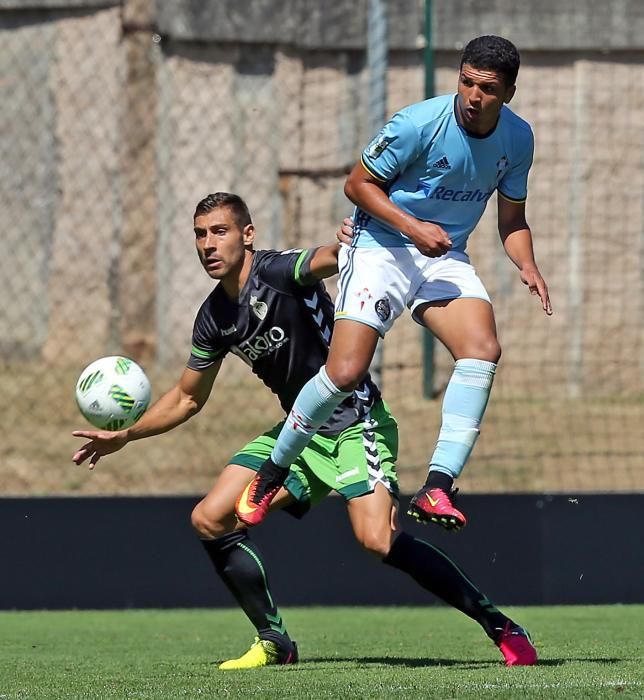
435 506
516 646
252 505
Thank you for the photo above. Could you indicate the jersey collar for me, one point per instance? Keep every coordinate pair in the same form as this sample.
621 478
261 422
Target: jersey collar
471 134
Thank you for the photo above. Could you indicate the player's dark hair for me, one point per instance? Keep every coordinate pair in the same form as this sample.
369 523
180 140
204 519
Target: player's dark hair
226 199
493 53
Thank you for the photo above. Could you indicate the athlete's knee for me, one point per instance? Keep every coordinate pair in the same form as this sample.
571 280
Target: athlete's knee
346 373
488 349
205 525
375 542
494 351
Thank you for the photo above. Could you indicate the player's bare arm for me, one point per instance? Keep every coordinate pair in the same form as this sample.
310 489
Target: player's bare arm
517 240
324 262
367 192
176 406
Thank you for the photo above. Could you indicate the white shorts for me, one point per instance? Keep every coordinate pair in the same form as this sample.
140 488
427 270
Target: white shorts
375 284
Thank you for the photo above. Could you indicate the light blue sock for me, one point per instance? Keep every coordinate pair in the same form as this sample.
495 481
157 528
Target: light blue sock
315 403
464 404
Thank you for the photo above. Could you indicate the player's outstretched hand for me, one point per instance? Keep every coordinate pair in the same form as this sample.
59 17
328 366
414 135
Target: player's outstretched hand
537 286
101 442
430 239
345 233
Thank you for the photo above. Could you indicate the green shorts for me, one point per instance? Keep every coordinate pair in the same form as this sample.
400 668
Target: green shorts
351 463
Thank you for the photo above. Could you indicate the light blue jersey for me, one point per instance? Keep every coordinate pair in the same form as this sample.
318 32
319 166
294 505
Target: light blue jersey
437 171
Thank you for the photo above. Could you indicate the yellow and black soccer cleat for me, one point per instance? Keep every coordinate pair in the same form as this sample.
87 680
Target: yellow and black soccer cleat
263 652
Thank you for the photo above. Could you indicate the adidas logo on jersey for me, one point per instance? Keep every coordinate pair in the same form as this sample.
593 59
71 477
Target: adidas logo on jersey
442 164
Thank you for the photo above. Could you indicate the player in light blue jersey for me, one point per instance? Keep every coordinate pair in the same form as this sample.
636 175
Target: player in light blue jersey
420 189
434 170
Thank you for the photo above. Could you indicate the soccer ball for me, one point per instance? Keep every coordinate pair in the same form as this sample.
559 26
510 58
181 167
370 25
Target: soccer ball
113 393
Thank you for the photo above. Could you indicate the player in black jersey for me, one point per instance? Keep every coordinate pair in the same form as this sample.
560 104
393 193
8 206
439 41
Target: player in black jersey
270 308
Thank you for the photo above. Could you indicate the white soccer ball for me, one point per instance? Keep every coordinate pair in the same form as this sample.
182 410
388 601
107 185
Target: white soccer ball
113 393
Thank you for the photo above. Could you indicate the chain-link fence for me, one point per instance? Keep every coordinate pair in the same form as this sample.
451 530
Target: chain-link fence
116 118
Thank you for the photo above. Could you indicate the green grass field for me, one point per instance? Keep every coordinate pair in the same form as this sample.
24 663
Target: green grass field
585 652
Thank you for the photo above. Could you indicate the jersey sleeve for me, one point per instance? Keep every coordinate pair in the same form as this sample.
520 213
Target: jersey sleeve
393 149
288 268
207 346
514 184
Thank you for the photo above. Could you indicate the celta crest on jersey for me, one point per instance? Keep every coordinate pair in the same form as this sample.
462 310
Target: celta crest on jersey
259 307
501 166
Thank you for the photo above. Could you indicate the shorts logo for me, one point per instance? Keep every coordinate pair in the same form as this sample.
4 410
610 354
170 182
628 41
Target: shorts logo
383 308
364 295
259 307
345 475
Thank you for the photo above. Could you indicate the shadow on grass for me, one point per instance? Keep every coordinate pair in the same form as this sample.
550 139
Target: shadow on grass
461 663
401 661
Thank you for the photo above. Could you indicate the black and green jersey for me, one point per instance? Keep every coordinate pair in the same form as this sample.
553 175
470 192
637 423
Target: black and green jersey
281 326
